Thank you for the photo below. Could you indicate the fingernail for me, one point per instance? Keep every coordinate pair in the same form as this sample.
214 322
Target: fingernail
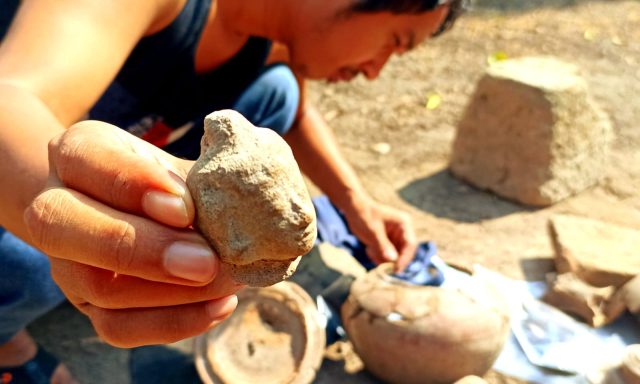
179 186
391 255
221 307
191 261
166 208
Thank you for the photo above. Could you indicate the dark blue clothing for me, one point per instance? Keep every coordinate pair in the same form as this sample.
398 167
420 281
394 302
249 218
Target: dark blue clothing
158 89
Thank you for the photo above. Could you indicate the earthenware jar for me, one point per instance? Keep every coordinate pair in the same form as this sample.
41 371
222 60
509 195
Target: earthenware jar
421 334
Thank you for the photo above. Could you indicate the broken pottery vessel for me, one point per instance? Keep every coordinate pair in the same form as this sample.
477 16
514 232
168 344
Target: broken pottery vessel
630 368
569 293
420 334
626 297
251 201
274 336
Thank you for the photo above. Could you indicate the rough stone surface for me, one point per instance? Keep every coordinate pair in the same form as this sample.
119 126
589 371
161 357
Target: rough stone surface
419 334
601 254
570 294
251 201
532 133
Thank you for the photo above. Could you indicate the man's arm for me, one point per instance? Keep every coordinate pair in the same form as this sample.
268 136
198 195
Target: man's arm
55 61
115 216
387 232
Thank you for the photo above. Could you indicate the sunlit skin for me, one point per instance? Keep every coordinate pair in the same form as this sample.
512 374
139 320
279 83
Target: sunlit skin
358 43
325 40
115 233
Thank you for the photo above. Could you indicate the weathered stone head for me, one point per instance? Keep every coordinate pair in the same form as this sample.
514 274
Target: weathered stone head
251 201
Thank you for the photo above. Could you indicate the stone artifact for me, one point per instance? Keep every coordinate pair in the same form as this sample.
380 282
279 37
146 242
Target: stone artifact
532 133
626 298
420 334
274 336
599 253
570 294
251 201
630 369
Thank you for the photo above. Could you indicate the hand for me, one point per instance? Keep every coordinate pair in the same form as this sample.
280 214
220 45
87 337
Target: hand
387 232
115 221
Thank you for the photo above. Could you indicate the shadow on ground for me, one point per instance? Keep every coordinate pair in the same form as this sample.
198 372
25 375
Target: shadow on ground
161 364
444 196
537 268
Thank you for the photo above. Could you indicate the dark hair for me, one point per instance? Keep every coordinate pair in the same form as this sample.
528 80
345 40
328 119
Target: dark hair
396 6
456 8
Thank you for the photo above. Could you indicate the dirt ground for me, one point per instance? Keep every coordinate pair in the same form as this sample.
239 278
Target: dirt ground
468 225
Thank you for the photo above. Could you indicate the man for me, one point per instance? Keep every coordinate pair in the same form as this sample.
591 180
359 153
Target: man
114 216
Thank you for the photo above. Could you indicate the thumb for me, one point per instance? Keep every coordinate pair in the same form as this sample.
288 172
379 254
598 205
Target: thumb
122 171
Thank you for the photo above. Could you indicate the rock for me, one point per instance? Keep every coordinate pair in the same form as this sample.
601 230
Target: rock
532 133
626 298
471 380
251 201
599 253
570 294
419 334
630 369
274 336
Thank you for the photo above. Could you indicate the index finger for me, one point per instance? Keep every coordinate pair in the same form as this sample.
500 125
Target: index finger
406 244
123 172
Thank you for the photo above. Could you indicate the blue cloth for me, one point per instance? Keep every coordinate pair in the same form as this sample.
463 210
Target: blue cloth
333 229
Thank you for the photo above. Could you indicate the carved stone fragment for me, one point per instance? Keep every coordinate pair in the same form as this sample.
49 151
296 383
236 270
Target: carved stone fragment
251 201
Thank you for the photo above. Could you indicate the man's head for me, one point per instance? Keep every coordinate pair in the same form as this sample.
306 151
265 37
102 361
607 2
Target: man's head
342 38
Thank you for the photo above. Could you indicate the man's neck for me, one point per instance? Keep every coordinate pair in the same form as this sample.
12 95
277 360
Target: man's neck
271 19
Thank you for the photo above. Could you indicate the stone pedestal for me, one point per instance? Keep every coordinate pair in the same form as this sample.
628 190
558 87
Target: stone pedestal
532 133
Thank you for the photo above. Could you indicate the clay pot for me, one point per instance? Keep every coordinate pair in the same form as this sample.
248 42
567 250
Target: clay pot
274 337
419 334
630 368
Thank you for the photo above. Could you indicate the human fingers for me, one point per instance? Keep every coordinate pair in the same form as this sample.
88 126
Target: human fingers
402 235
84 284
407 244
379 247
122 171
128 328
65 224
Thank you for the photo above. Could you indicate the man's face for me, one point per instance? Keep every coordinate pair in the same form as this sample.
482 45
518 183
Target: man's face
337 46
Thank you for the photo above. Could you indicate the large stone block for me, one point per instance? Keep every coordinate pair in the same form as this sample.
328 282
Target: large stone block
532 133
